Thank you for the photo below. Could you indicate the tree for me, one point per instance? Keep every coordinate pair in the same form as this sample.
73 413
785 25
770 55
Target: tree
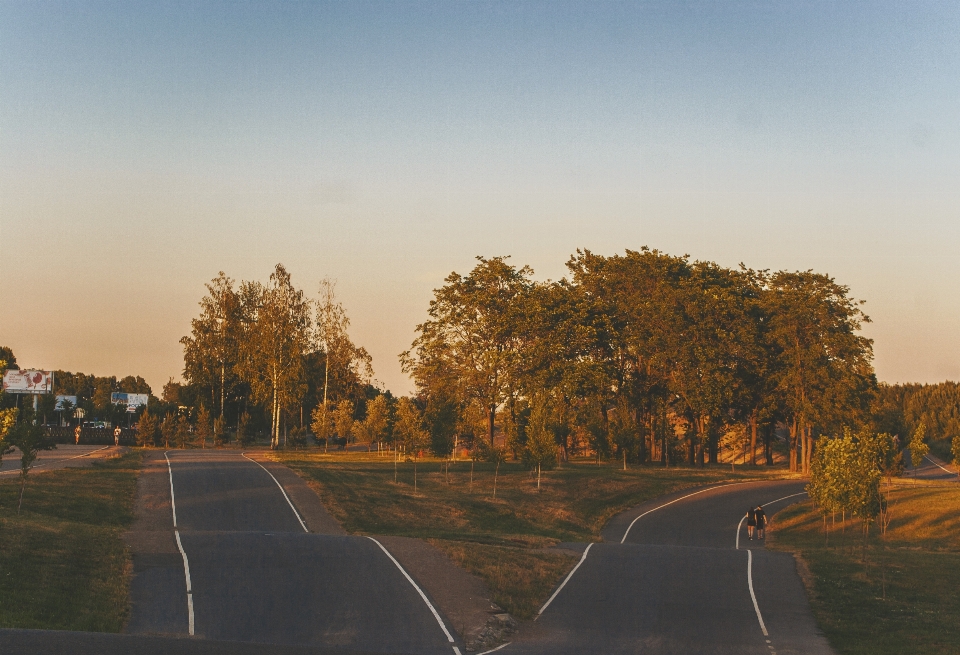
29 438
346 367
374 426
322 422
541 446
211 352
824 374
274 343
472 342
955 449
146 430
918 447
343 420
409 429
168 429
219 432
204 428
243 430
182 434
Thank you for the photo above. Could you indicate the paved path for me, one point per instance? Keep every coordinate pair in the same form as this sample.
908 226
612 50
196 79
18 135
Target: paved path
676 580
63 456
930 468
257 575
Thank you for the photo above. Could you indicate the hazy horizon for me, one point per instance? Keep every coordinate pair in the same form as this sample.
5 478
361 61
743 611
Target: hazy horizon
145 148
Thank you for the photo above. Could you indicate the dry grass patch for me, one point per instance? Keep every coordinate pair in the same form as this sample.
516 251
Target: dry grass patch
890 594
520 579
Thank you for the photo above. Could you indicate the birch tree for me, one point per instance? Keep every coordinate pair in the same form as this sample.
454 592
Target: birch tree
275 340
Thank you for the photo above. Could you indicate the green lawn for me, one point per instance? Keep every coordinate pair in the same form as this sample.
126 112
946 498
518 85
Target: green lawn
897 595
496 538
63 564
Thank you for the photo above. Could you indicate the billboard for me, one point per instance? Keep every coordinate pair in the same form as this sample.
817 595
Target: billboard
62 403
27 381
129 399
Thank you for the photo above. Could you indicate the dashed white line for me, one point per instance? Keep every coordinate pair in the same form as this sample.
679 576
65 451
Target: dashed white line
426 600
283 491
753 595
183 553
494 650
564 583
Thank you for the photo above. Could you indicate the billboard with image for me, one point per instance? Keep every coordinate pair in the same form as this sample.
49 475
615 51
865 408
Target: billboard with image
129 399
27 381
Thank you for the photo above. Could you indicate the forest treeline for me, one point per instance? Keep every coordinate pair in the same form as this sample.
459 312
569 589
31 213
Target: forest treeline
644 356
650 355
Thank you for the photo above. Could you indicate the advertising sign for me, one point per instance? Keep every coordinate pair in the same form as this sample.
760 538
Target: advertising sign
129 399
62 403
27 381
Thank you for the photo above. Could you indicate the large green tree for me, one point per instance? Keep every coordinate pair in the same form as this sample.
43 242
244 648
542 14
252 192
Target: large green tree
472 342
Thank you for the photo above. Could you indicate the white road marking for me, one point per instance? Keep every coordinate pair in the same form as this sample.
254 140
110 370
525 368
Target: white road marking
564 583
283 491
55 461
494 650
183 553
927 457
173 499
677 500
738 531
426 600
456 650
753 595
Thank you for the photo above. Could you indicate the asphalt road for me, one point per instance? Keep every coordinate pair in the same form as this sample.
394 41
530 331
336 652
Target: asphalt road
679 584
257 576
930 469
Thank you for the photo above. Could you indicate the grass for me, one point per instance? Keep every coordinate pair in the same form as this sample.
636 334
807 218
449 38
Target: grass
496 538
63 564
891 594
520 579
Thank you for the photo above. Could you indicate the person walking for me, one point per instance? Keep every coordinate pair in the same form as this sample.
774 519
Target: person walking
761 520
751 522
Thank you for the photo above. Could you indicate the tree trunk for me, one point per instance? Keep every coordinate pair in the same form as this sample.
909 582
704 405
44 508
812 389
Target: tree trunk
753 437
793 446
223 391
714 439
692 442
491 422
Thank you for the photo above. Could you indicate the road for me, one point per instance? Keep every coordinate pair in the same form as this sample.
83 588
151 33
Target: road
679 575
256 575
930 469
63 456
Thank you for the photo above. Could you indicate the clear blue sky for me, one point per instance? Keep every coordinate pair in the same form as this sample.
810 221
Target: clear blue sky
143 148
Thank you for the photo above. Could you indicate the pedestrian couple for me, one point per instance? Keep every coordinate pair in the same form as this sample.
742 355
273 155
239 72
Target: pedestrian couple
756 520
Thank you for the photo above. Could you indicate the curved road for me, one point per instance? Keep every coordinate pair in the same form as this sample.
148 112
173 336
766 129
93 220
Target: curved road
678 575
251 572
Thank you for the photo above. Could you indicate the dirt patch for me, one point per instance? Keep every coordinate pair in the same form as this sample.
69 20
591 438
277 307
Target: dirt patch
462 598
152 530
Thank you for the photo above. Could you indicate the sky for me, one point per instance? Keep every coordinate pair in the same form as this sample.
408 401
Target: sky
144 147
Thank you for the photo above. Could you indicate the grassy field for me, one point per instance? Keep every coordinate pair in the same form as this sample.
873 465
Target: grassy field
897 595
63 564
497 538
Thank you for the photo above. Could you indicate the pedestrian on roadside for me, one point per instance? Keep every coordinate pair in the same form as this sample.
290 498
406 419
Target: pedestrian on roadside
751 522
116 436
77 433
761 521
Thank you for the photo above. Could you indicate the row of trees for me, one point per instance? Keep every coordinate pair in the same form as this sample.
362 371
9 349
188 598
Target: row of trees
269 347
643 354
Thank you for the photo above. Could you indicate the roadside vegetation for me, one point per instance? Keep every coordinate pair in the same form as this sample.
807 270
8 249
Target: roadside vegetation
878 593
498 538
63 564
